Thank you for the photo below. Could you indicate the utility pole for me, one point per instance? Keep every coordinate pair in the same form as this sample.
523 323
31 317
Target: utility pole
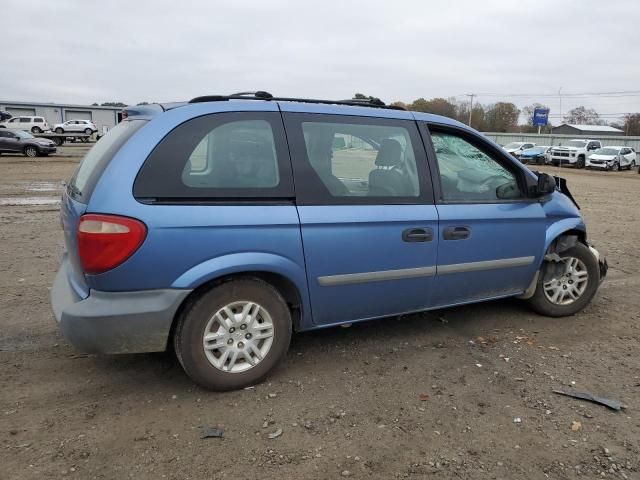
470 95
560 95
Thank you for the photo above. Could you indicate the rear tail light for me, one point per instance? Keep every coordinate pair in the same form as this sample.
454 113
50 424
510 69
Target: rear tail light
106 241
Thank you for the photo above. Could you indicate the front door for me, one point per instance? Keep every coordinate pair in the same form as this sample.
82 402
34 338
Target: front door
491 235
9 142
368 223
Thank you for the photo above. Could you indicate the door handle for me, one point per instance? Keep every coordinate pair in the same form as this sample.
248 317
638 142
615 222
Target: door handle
417 235
456 233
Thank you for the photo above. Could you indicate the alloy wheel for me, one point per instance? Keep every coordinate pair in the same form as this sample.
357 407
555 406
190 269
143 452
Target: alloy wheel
238 336
570 285
30 151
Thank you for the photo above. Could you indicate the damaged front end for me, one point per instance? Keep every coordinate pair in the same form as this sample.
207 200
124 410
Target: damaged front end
553 265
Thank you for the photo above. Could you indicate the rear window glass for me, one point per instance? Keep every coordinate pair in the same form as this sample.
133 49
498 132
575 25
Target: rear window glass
222 155
81 184
234 155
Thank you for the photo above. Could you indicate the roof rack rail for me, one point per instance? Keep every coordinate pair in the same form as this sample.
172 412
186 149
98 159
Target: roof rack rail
262 95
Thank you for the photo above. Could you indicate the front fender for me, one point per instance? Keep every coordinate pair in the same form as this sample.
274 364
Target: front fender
558 228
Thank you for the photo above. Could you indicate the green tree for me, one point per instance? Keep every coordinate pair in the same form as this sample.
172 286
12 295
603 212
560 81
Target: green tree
437 106
502 117
114 104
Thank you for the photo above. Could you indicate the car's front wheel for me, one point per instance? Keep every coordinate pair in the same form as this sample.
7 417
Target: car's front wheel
580 162
233 335
88 131
31 151
565 287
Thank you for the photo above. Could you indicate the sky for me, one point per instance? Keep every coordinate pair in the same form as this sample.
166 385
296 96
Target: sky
167 50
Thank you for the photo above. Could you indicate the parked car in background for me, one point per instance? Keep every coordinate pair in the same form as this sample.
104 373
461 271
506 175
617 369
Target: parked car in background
574 153
4 115
208 187
18 141
537 155
514 148
612 158
84 126
26 123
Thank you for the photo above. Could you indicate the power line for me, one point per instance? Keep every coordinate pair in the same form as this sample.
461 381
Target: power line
620 94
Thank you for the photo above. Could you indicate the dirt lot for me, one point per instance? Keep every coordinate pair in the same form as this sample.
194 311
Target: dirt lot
433 395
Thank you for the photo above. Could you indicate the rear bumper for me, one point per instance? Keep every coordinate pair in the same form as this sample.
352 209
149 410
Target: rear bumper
115 322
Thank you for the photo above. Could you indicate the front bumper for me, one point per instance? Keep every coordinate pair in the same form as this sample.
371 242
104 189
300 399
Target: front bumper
115 322
47 148
602 262
563 160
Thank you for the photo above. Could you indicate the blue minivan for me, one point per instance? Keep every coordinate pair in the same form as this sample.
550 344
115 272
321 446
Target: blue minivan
221 225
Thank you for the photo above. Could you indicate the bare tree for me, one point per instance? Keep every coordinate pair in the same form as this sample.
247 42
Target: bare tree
583 116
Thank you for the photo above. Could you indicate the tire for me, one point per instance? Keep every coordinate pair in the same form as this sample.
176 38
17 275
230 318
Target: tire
88 131
542 304
36 130
200 318
30 151
616 167
580 162
59 130
632 165
58 141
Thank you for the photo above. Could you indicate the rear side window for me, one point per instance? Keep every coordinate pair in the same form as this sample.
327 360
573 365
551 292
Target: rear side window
38 120
25 120
356 160
83 181
223 155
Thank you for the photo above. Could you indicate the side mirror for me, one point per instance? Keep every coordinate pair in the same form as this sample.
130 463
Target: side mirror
546 184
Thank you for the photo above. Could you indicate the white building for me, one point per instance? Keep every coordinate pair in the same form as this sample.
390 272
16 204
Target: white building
105 118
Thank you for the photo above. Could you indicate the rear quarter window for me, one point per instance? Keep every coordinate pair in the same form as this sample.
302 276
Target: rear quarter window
239 155
86 176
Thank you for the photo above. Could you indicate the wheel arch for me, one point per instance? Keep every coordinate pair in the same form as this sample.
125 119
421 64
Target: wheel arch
287 277
566 227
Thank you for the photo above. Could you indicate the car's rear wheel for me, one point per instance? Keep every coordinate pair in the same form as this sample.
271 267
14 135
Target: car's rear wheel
59 130
566 287
31 151
233 335
36 130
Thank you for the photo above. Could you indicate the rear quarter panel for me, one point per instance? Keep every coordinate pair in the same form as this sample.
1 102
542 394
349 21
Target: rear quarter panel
188 245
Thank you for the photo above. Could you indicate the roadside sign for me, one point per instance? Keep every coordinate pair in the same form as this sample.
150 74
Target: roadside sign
540 116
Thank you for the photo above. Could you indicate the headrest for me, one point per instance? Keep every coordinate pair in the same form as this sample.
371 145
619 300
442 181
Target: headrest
390 153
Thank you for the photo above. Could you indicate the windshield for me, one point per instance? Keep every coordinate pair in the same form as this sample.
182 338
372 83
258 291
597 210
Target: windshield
513 145
607 151
576 143
21 134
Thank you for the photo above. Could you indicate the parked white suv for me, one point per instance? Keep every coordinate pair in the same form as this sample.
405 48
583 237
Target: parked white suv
612 158
575 152
76 126
29 124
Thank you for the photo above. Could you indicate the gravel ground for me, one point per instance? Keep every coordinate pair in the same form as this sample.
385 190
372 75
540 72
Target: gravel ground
459 393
